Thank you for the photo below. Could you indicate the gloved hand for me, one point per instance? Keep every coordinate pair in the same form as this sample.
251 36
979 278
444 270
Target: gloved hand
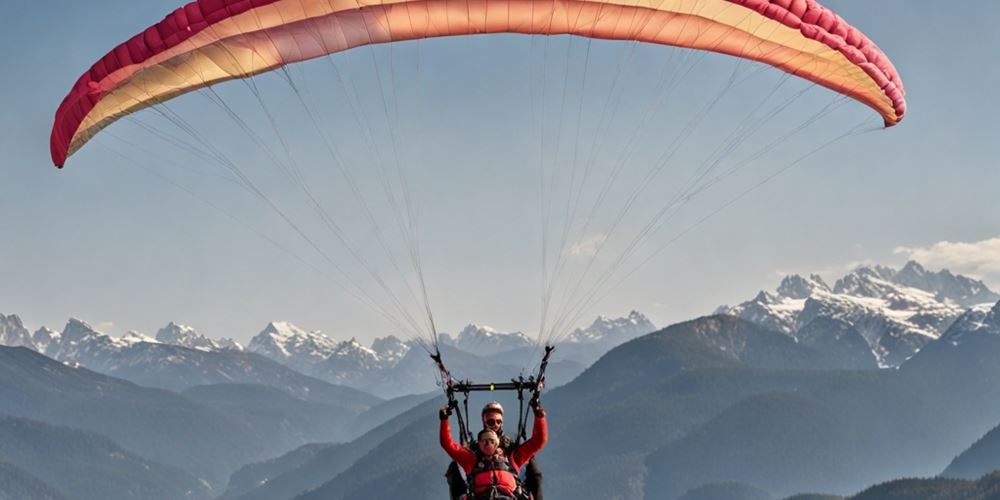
444 412
536 406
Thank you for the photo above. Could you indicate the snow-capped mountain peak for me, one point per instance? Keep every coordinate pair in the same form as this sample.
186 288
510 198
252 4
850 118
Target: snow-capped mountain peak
283 341
134 337
13 333
353 347
863 282
390 349
945 285
485 341
79 342
979 319
796 287
896 312
615 330
185 336
45 337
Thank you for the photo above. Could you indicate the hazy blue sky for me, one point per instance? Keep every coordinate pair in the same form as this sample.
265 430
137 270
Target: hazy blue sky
114 245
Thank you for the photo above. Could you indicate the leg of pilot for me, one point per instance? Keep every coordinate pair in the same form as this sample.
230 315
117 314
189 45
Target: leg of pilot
533 478
456 482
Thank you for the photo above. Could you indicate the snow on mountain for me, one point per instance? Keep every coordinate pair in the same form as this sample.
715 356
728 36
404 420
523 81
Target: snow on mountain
897 313
45 337
390 349
349 364
359 356
979 319
13 333
286 343
229 344
486 341
134 337
185 336
771 311
946 286
797 287
614 330
81 343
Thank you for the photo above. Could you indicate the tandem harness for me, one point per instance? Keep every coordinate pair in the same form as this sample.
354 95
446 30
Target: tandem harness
496 463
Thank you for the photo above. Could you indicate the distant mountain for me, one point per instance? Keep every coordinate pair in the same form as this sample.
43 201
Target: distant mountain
722 400
13 333
186 336
90 466
385 368
981 458
350 363
385 411
390 349
162 426
391 367
838 340
614 331
984 488
896 312
288 344
347 363
486 341
177 368
288 419
946 286
43 338
259 474
313 464
290 476
18 484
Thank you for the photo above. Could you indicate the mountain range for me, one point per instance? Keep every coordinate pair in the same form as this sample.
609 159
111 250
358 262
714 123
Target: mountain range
179 357
781 395
895 312
720 404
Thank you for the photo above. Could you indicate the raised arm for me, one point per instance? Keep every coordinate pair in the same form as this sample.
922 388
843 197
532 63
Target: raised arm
460 454
539 436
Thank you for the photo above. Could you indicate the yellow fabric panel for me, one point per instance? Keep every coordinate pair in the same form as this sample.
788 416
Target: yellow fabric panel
292 30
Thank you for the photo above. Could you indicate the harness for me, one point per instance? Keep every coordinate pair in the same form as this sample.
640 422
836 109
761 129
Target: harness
488 465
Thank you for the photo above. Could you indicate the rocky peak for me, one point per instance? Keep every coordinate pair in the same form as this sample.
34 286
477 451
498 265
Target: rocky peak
227 343
865 282
962 290
77 329
977 320
185 336
614 329
134 337
484 340
13 333
282 340
797 287
390 349
44 338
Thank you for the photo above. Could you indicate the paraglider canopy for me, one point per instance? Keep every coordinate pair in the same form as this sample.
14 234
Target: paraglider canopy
211 41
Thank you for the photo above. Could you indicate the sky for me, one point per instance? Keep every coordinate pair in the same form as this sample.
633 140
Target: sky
135 233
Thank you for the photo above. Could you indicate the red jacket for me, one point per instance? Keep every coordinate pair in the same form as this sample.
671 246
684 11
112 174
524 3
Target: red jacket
505 481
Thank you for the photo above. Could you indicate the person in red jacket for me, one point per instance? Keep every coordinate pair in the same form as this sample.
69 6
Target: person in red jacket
492 473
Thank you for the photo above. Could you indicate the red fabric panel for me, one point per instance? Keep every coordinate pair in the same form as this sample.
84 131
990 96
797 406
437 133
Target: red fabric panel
807 16
176 27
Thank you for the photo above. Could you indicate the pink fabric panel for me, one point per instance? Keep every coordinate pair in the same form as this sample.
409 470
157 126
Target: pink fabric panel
823 25
807 16
178 26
